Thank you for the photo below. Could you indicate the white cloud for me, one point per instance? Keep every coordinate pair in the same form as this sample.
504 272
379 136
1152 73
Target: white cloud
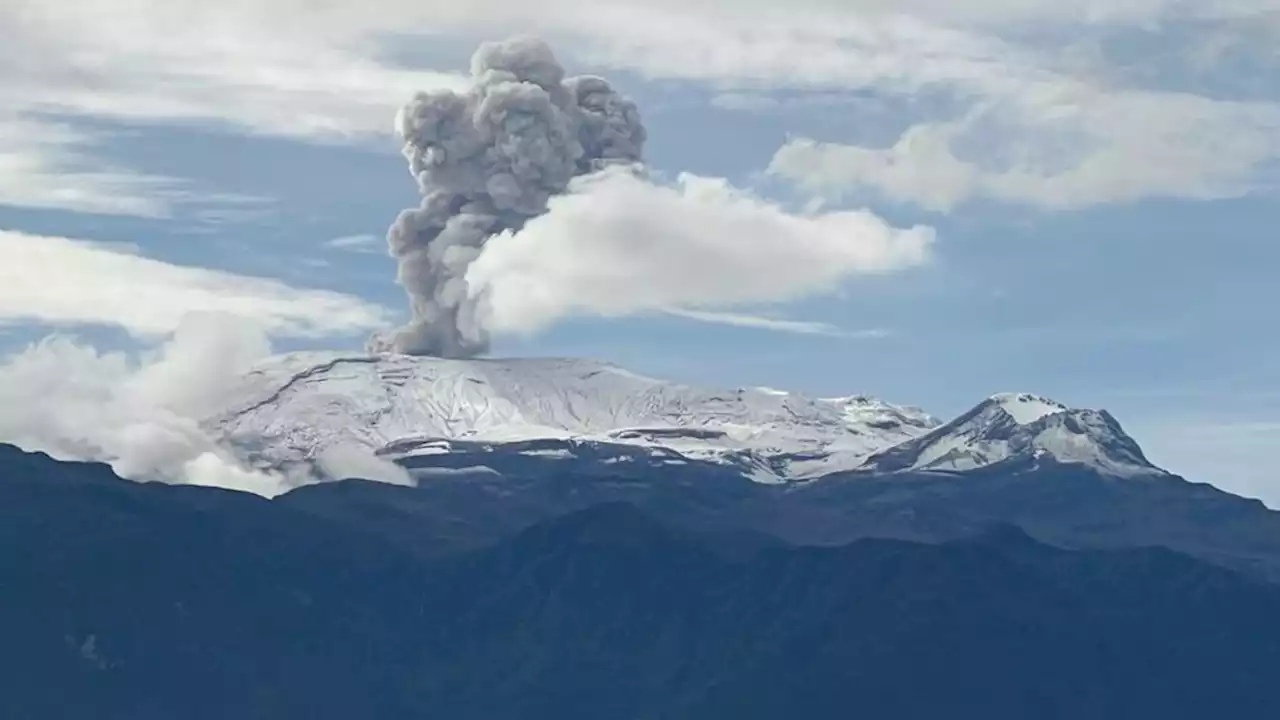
62 281
286 68
1071 150
43 165
919 168
350 461
797 327
305 68
618 244
978 13
231 64
1030 131
142 414
359 244
325 71
51 165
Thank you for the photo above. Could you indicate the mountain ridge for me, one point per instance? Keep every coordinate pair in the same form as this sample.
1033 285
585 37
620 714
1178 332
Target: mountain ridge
1013 427
126 601
410 410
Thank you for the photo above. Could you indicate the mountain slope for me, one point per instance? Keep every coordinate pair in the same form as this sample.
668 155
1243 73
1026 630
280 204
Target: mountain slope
1070 505
429 414
1019 428
498 445
294 407
121 601
127 601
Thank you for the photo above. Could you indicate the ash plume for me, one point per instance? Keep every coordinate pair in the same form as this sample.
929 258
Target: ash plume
487 161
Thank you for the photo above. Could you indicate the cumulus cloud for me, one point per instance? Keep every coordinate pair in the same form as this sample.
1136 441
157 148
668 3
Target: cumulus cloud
63 281
1069 150
619 244
919 168
140 414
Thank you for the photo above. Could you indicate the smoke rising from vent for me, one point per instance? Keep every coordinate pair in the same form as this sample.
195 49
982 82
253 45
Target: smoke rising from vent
487 161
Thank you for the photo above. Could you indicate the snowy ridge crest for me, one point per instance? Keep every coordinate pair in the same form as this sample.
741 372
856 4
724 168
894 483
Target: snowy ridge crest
1020 428
294 407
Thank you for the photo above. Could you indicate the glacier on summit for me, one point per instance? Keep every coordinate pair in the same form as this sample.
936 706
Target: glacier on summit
293 407
1020 427
292 410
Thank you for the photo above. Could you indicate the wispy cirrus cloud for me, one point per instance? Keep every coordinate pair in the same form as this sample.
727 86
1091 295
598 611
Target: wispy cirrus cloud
275 68
142 62
364 243
760 322
49 165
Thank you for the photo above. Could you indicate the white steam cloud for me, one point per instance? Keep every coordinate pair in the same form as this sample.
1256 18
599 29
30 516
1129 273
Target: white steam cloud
142 415
536 207
617 244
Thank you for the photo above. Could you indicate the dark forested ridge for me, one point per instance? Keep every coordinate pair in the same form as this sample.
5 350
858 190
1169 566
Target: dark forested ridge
136 602
1065 505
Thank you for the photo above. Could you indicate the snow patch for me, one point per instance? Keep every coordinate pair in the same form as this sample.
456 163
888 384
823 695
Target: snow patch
1013 427
293 407
554 453
1026 408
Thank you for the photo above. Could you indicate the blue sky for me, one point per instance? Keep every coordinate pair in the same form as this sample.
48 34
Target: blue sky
1101 180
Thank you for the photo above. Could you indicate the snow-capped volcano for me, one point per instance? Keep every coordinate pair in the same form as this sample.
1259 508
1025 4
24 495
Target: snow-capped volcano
421 411
293 408
1020 427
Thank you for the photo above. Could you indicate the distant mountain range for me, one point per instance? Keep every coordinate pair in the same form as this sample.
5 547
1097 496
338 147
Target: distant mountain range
147 602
